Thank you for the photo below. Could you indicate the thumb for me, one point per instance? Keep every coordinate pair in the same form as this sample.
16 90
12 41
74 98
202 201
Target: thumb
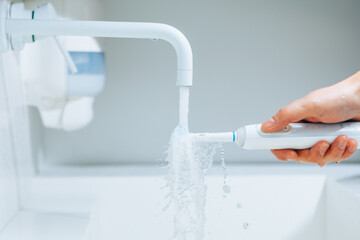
294 112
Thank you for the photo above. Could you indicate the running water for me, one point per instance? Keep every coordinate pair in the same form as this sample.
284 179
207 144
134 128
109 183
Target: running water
184 107
188 163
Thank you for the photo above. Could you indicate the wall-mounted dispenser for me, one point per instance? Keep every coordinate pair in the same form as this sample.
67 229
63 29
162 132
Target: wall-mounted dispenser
62 75
65 100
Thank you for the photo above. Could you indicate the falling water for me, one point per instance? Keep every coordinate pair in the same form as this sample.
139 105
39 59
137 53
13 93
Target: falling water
184 107
188 164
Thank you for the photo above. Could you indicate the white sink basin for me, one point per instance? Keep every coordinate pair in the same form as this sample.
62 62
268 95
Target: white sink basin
272 207
258 208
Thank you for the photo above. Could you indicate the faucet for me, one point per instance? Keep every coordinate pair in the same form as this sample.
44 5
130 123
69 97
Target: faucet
116 30
30 28
21 26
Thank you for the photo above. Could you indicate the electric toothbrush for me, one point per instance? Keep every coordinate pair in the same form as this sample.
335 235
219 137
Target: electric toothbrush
294 136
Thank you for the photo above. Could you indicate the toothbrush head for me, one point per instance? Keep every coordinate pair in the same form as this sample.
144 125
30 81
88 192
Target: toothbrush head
214 137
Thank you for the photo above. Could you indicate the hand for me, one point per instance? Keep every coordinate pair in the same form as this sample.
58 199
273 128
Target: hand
337 103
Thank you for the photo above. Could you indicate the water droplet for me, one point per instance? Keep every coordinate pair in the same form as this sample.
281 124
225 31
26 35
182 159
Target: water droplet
246 225
226 188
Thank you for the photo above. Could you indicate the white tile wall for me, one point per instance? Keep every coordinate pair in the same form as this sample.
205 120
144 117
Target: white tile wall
8 182
19 122
15 154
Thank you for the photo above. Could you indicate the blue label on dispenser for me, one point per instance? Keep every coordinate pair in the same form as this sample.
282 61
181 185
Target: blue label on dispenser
90 78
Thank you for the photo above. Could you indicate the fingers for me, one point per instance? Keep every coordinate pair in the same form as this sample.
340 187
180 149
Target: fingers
314 154
336 150
294 112
350 149
321 153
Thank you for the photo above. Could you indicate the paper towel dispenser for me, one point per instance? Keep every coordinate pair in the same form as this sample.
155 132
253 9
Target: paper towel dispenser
65 100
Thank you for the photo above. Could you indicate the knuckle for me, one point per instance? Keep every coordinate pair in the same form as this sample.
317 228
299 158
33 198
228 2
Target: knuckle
316 109
311 159
337 153
333 155
314 105
314 158
304 155
281 114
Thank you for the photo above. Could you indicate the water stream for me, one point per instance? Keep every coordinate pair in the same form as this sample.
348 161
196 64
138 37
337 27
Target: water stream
184 107
188 164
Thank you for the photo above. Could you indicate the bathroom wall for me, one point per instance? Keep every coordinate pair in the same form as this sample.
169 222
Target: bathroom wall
8 178
16 164
250 59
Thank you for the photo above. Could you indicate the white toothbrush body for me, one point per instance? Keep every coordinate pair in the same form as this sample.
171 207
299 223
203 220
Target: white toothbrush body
295 136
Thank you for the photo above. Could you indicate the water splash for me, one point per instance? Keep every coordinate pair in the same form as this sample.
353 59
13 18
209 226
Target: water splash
226 187
188 164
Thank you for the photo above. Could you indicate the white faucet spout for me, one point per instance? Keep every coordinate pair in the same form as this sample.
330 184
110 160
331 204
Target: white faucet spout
115 30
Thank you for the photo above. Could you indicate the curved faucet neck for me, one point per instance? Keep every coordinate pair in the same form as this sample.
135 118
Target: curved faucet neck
115 30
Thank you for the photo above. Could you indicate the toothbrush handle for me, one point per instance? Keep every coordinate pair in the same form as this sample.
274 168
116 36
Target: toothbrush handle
296 135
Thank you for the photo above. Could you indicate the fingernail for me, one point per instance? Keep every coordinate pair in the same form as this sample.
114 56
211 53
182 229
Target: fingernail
342 143
352 149
322 149
268 123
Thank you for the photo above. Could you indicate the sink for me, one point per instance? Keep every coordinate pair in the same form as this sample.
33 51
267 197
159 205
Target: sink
258 207
271 207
